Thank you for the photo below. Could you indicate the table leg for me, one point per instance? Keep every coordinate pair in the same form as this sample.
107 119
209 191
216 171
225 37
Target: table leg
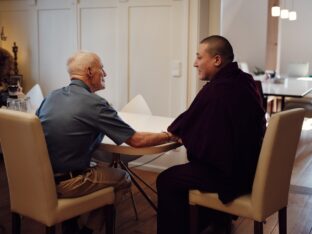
283 103
117 161
123 166
140 179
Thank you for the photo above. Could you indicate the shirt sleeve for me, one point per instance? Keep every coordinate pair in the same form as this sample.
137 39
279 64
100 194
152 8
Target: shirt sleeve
112 125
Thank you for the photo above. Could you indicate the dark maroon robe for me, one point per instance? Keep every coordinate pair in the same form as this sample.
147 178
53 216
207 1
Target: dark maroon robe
223 129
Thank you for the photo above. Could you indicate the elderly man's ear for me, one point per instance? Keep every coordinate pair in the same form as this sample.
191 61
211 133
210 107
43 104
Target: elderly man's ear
89 73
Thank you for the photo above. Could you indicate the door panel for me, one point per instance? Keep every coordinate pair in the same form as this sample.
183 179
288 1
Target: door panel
101 24
56 44
156 66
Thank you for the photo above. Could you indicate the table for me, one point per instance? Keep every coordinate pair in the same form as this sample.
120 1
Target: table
287 87
140 122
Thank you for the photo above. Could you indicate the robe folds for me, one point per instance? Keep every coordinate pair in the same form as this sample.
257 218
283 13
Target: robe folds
223 128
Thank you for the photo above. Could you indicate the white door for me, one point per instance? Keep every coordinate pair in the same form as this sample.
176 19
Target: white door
99 33
57 41
143 48
156 52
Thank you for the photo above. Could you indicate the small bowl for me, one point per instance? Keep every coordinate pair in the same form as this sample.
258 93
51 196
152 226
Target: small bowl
278 81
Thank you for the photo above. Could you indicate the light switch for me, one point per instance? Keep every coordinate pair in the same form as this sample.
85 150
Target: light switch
176 68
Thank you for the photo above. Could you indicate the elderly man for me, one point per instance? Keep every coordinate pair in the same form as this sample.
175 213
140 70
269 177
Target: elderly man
74 121
222 131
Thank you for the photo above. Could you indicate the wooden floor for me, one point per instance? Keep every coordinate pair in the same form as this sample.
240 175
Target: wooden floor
299 208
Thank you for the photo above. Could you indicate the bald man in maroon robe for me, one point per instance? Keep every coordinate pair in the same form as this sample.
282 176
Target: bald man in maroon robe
222 131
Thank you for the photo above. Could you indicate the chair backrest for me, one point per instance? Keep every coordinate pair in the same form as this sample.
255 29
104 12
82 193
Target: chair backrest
137 105
272 180
36 96
29 172
243 66
298 69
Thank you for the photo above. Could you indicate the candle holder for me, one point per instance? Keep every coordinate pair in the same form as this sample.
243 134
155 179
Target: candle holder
3 37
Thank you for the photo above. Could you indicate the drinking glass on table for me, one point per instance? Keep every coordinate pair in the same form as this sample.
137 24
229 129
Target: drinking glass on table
19 104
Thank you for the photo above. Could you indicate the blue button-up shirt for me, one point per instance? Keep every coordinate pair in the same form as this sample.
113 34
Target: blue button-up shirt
74 122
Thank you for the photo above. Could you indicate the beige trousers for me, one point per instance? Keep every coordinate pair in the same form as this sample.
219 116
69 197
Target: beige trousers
95 178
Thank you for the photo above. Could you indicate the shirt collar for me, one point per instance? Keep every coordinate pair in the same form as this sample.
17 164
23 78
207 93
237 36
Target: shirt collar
80 83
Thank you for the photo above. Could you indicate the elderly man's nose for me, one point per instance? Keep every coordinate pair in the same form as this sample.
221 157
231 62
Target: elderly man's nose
104 73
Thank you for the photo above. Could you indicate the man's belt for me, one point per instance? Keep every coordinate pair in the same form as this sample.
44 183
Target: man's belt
59 177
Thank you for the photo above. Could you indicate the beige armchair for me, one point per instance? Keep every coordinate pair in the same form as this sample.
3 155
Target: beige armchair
31 181
298 69
272 180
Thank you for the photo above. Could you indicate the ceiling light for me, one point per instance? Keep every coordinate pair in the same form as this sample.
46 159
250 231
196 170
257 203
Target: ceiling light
275 11
292 15
284 14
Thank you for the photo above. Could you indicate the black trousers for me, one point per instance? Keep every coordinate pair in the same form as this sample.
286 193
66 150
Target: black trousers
173 186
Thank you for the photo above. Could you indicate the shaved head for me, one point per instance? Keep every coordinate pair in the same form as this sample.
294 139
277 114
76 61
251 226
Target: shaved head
219 45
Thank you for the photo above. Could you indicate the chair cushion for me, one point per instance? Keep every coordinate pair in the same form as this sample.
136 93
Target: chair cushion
241 206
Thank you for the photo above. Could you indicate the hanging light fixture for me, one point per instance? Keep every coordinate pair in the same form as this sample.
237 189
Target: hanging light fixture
292 13
276 10
284 14
284 11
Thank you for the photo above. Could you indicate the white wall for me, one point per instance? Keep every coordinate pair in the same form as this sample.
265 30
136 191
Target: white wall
244 24
143 45
296 37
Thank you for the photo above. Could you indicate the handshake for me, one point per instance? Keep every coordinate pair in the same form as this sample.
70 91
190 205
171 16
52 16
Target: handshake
172 137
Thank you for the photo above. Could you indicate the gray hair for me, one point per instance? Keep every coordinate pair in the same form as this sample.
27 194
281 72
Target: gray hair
81 61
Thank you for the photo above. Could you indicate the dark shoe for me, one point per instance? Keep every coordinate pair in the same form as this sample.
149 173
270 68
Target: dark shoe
85 230
70 226
214 222
217 229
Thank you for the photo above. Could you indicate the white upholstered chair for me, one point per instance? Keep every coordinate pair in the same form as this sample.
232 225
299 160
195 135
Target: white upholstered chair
272 180
304 102
31 181
298 69
35 95
137 105
243 66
